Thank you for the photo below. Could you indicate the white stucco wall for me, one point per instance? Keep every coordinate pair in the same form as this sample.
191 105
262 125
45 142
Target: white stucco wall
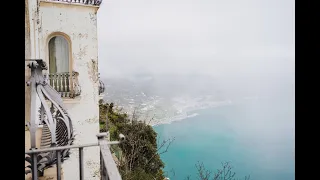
27 56
78 23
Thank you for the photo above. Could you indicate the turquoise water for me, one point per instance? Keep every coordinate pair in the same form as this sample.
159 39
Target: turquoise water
256 136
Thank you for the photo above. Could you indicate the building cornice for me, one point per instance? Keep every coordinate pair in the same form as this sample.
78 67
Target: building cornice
69 3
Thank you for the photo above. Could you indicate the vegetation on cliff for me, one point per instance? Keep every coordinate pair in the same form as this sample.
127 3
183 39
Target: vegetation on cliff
139 155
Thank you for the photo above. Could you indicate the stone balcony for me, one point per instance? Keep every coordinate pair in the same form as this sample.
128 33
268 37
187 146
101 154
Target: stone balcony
66 84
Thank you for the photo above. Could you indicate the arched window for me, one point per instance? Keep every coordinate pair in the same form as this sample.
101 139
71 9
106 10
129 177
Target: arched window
58 55
61 76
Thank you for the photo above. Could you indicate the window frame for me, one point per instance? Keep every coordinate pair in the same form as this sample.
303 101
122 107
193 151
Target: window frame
67 38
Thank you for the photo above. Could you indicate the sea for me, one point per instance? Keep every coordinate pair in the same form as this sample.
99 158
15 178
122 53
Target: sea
256 136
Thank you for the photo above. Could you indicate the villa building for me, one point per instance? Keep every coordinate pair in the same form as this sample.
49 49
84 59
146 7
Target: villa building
63 34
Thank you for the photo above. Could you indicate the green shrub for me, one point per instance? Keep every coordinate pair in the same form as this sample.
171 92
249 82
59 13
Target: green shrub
140 158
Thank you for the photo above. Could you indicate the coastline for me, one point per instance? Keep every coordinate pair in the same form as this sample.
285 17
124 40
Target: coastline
184 112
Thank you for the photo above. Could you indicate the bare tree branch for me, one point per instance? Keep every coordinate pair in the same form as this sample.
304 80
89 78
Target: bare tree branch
151 119
203 174
222 174
164 142
170 142
173 172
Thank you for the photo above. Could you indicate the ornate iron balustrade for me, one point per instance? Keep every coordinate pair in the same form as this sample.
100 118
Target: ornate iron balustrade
57 133
86 2
101 87
67 84
57 125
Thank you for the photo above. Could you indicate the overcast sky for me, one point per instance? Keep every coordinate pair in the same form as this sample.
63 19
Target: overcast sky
216 37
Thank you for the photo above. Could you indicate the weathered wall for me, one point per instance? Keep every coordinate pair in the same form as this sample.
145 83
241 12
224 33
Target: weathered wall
78 23
27 56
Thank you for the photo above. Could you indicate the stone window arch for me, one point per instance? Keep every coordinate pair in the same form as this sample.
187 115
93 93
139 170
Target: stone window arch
61 75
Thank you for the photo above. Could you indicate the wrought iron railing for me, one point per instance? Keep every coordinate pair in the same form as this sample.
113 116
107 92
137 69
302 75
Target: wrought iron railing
101 87
87 2
57 133
67 84
108 168
57 125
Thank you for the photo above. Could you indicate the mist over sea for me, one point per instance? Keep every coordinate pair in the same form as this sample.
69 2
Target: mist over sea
248 121
177 61
256 135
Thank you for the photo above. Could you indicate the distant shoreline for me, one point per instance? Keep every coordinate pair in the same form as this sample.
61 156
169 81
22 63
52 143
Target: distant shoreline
185 111
171 119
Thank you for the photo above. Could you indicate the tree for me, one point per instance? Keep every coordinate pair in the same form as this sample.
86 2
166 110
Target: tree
139 155
225 173
103 108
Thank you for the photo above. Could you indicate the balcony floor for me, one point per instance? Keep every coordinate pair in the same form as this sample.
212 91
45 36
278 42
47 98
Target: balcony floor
50 173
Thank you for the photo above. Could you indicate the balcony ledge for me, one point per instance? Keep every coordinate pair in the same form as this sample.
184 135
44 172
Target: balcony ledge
71 100
69 3
75 100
